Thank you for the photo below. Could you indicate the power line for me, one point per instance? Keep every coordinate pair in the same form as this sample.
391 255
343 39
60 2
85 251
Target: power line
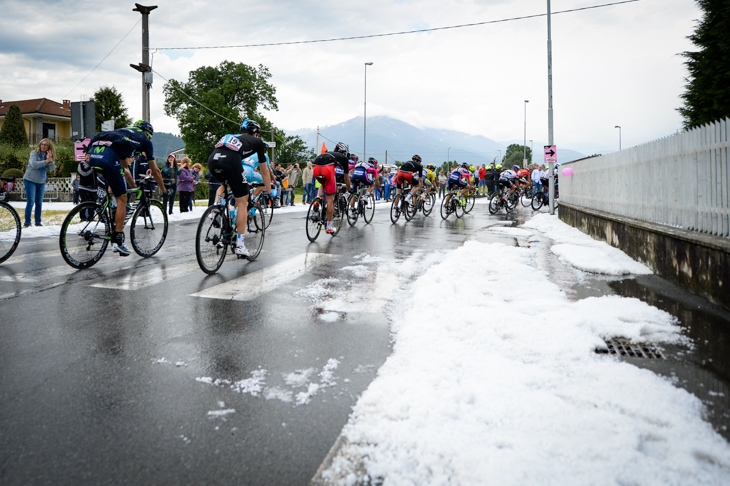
125 36
370 36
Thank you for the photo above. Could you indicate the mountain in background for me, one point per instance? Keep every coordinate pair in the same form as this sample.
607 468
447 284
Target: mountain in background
164 143
400 141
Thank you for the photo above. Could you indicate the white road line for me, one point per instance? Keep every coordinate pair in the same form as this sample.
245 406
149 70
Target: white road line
252 285
133 279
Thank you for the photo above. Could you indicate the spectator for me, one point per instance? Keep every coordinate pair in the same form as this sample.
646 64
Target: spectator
308 182
482 179
196 176
185 184
293 181
40 163
75 188
280 176
169 177
442 183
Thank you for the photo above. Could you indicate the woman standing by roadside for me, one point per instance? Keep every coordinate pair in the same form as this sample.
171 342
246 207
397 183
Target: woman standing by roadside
196 176
185 184
40 163
442 183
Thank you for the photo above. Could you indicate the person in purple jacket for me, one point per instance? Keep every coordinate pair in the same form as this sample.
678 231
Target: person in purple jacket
185 185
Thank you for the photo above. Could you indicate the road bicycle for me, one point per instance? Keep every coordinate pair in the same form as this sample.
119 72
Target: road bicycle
10 228
217 233
89 227
453 203
317 213
360 203
526 195
502 199
402 205
470 200
542 199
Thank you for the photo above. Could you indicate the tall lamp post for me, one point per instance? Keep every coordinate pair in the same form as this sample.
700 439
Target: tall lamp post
448 158
524 142
619 137
365 116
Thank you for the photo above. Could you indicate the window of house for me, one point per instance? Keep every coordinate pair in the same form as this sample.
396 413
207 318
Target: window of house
49 130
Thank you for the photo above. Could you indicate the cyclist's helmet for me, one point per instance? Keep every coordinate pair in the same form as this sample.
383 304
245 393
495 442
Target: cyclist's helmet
342 148
431 167
498 166
515 168
417 159
146 127
372 160
464 165
251 127
472 168
354 157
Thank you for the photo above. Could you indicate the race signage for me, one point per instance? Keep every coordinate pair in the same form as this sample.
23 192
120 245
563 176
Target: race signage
551 154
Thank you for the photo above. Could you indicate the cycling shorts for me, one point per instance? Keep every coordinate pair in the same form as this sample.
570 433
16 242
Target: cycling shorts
409 177
107 159
326 175
506 183
225 165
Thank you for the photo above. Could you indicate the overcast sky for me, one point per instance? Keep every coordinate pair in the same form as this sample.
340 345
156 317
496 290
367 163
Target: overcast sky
614 65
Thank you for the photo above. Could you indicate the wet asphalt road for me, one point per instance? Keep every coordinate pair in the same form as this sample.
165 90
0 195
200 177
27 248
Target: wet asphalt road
108 375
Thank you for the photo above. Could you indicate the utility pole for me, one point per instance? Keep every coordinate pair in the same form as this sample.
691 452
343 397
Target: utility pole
551 164
145 67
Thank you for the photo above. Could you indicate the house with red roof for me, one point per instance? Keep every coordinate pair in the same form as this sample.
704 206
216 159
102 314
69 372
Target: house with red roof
43 118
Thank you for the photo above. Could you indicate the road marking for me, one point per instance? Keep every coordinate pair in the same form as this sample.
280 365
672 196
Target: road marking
135 279
261 281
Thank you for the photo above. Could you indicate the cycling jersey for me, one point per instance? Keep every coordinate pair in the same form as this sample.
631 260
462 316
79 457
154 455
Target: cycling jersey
225 162
429 177
106 149
249 164
459 178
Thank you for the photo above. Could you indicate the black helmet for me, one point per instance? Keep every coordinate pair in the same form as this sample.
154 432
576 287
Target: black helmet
146 127
354 157
417 159
251 127
342 148
372 160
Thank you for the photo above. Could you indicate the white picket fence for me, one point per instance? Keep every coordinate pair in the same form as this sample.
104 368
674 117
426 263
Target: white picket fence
682 181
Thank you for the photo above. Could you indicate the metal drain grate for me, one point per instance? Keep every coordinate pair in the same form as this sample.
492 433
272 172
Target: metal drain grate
624 347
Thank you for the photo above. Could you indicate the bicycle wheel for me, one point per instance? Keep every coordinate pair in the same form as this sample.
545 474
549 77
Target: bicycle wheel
428 204
511 202
315 219
211 244
255 231
395 208
470 201
537 201
459 206
410 208
446 206
10 230
526 198
494 204
149 228
353 209
338 215
368 208
85 234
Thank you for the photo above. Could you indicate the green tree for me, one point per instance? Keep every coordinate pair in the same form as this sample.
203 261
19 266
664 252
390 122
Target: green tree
215 100
110 105
13 130
513 155
707 97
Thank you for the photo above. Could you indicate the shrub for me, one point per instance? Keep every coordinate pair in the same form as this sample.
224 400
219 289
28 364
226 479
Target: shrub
13 172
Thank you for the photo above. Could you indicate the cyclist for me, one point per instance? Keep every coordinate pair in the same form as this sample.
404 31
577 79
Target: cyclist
326 166
365 173
509 178
225 163
112 151
409 172
461 178
429 178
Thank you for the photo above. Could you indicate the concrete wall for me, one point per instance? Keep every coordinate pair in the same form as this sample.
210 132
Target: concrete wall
695 261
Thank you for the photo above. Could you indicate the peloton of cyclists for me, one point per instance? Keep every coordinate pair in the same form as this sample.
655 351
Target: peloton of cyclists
226 164
113 151
326 169
510 178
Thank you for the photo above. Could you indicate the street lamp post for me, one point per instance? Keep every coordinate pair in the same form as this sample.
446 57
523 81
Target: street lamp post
365 115
524 140
448 158
619 137
532 154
